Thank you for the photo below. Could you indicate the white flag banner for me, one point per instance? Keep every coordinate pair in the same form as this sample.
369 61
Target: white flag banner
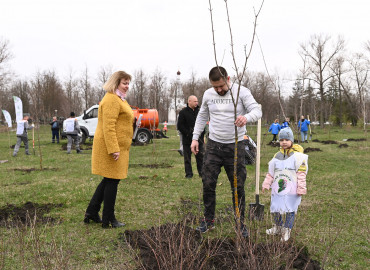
8 118
18 108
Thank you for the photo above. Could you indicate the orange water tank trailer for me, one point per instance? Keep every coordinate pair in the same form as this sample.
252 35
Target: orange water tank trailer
149 120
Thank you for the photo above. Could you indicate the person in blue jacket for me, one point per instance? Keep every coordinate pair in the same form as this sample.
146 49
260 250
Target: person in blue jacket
303 128
286 123
274 129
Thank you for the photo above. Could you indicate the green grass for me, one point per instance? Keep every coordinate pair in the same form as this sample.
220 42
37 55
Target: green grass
332 219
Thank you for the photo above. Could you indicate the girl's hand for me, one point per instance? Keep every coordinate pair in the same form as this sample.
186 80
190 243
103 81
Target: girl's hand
263 189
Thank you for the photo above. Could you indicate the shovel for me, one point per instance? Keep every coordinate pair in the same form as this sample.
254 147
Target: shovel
256 210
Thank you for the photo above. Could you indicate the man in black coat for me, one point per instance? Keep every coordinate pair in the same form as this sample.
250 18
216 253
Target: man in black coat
185 124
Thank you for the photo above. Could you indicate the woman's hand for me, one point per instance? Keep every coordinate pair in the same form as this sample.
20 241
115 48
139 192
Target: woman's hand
115 156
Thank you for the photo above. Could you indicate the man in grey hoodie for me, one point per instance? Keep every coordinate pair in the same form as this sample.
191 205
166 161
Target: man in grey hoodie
72 129
217 107
22 127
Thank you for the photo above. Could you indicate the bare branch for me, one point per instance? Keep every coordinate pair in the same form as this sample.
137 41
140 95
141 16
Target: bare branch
213 33
268 74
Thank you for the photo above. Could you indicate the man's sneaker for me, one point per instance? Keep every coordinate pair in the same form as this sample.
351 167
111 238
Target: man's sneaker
285 234
206 225
274 230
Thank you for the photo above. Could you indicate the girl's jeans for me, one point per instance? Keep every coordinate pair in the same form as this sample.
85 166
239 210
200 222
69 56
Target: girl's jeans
289 219
304 135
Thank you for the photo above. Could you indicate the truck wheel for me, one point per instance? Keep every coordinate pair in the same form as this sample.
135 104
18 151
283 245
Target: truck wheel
143 136
83 138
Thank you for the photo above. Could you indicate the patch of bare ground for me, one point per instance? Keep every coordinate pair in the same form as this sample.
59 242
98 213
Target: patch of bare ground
329 142
18 184
356 140
28 170
153 166
274 144
82 147
24 215
311 149
343 145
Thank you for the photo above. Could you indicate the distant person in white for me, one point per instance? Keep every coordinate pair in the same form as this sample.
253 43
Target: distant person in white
22 127
72 129
217 107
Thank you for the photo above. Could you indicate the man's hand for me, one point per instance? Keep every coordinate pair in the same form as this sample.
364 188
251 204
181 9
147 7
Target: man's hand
115 156
240 121
194 147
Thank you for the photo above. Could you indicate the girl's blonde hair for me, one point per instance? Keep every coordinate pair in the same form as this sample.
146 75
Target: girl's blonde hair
112 84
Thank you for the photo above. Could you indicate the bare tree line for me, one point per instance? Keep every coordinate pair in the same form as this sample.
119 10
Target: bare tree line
332 86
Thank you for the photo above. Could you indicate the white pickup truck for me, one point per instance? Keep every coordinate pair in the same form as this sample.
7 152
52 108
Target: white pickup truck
89 120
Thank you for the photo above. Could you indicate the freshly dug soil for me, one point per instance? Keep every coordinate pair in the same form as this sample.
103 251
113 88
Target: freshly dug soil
176 246
356 140
14 216
135 143
153 166
310 149
82 147
274 144
329 142
28 170
343 145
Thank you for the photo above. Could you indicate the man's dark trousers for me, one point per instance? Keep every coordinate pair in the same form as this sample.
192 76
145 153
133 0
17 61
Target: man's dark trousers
187 159
55 133
218 155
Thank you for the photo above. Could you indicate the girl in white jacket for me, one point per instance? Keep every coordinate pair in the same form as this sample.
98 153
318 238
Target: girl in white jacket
287 180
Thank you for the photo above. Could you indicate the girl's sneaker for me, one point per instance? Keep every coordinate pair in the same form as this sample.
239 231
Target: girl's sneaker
285 234
274 230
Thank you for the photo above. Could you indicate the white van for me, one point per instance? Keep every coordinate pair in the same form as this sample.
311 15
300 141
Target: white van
88 122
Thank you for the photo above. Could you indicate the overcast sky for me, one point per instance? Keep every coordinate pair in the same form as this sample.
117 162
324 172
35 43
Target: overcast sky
170 34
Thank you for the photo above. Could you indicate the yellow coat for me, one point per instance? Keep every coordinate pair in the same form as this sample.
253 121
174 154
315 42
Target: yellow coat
113 134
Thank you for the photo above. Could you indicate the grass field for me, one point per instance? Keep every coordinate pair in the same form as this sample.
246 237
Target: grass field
332 222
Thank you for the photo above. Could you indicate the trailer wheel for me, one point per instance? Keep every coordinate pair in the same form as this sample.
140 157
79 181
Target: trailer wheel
143 136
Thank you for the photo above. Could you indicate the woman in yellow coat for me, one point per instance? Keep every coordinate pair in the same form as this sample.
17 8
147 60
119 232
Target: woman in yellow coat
110 154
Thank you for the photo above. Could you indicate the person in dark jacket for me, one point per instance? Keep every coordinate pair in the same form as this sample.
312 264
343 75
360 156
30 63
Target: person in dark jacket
274 129
54 129
185 125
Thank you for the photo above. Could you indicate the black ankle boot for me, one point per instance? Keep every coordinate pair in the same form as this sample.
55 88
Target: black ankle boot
114 223
94 218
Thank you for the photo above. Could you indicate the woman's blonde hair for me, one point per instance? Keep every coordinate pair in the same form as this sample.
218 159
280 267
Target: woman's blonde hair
112 84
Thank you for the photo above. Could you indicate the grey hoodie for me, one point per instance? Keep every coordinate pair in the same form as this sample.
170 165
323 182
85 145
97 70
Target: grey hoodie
219 110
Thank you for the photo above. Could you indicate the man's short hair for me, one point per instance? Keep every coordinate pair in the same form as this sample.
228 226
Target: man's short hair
217 73
72 114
